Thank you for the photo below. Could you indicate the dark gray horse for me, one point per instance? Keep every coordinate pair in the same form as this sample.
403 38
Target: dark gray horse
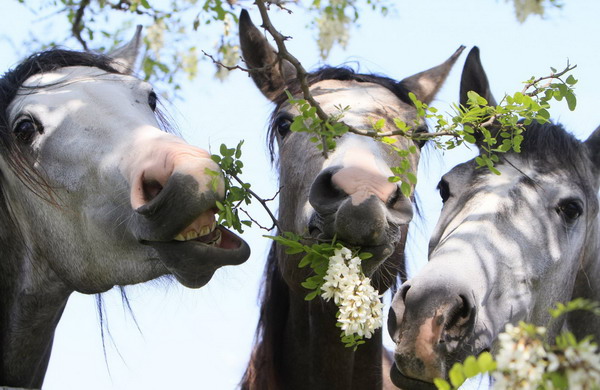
92 194
506 248
347 195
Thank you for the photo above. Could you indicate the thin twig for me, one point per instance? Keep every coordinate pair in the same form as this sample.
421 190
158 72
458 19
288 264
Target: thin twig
256 222
77 25
280 4
219 63
301 73
552 76
260 200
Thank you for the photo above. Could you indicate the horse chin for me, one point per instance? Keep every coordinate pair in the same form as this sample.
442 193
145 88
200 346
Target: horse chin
319 229
380 254
194 262
405 382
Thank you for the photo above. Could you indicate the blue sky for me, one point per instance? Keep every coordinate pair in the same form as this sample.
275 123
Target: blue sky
202 338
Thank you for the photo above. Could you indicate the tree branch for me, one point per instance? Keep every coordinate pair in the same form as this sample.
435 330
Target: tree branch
219 63
77 25
552 76
263 203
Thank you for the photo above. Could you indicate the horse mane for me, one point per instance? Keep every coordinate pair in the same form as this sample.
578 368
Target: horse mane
551 143
261 373
342 73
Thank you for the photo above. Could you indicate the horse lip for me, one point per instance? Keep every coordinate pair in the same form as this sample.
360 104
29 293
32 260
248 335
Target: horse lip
404 382
193 262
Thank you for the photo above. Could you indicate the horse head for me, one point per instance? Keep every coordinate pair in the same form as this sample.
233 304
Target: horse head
93 193
345 194
505 249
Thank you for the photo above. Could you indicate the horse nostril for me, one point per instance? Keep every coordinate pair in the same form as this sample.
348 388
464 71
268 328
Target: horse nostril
460 314
404 291
151 189
324 196
394 198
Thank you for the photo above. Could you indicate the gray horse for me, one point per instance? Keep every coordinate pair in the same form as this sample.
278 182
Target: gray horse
93 194
346 195
506 248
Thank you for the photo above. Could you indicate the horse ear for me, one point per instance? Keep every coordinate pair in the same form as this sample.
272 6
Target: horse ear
593 147
426 84
269 74
473 78
125 56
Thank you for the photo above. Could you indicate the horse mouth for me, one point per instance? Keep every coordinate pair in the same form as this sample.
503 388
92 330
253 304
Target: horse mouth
194 254
319 226
404 382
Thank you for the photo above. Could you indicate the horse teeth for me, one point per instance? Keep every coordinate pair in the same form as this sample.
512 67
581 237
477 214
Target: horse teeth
191 235
213 226
204 230
217 241
179 237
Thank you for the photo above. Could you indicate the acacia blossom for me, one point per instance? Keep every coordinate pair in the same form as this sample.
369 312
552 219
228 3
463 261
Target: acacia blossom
525 361
360 306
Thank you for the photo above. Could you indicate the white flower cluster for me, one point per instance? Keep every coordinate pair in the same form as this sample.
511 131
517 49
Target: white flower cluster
361 310
524 362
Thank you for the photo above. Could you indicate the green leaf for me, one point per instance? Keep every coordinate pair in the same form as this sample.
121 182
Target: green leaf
379 124
571 101
412 178
312 295
365 255
571 80
441 384
486 362
405 188
306 260
469 138
471 368
456 375
309 284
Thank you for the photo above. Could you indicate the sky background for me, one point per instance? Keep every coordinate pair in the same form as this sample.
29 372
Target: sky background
201 339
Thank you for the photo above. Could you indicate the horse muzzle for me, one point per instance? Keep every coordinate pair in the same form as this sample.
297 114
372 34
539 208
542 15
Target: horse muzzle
359 209
179 223
433 327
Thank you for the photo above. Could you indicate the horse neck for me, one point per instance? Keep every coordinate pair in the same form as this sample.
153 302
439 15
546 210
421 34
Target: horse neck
299 346
584 323
31 303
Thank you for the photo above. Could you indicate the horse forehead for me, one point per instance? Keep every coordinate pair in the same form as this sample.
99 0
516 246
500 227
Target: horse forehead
363 95
65 87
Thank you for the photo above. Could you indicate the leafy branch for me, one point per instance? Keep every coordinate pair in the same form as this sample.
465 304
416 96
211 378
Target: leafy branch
526 359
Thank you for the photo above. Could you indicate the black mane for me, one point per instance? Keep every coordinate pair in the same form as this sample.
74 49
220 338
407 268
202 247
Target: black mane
45 61
550 143
341 73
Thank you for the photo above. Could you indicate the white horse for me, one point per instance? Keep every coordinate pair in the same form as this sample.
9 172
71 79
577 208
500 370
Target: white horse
93 194
506 248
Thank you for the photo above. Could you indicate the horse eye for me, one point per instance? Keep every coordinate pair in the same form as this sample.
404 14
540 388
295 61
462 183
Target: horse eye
152 100
444 190
570 210
282 125
26 129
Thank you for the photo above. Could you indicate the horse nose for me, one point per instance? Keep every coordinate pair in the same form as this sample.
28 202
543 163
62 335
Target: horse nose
397 311
361 184
434 318
163 162
324 196
171 188
335 184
